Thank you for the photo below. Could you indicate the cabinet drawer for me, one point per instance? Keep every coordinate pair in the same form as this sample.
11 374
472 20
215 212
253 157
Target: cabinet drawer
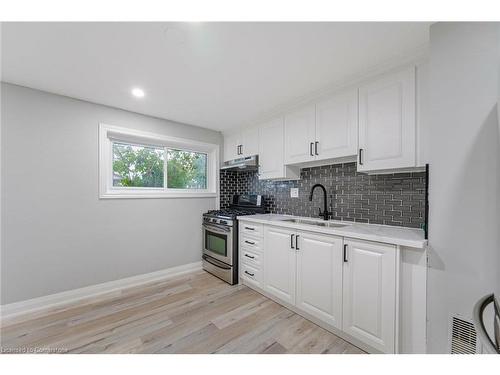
251 229
251 258
251 274
251 243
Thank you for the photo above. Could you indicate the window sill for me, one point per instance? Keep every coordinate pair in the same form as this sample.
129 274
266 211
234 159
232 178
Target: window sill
156 195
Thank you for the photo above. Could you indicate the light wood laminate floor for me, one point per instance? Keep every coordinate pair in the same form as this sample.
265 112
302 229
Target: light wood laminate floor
192 313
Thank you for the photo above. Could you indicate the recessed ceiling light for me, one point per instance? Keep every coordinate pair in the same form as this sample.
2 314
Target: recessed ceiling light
138 93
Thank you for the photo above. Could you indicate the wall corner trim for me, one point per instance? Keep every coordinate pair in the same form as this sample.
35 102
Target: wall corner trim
59 300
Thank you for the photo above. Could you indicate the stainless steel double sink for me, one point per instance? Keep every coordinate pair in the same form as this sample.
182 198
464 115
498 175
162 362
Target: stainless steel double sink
325 224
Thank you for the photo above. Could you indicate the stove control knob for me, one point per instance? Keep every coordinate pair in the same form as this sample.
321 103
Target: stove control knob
214 220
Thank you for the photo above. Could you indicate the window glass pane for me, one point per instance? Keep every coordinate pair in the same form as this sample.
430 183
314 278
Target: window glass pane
137 166
186 170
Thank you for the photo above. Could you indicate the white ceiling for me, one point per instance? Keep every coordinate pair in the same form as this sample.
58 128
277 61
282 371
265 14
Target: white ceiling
215 75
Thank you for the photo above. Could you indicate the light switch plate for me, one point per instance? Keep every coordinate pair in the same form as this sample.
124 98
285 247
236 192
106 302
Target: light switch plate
294 192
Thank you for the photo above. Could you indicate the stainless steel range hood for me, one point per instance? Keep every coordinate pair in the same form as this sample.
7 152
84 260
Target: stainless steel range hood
250 163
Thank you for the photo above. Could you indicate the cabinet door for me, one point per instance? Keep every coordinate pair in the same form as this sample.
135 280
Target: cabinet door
387 122
271 149
250 142
337 126
369 293
231 143
299 134
279 263
319 276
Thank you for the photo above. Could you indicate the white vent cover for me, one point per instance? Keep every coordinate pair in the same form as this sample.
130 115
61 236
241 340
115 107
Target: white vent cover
463 338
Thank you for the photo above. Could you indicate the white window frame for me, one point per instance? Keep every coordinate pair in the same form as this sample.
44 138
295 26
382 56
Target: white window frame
109 134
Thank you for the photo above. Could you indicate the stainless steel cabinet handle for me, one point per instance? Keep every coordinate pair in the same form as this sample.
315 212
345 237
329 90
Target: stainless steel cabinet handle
249 228
360 156
296 242
250 242
248 273
249 256
345 253
311 148
316 147
291 241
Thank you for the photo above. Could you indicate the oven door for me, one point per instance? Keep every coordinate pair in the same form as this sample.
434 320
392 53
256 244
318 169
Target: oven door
218 242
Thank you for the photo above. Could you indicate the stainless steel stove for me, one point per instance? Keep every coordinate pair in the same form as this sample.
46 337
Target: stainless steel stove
220 236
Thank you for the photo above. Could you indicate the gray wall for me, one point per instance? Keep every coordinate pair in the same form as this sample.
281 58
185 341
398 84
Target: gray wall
464 168
57 234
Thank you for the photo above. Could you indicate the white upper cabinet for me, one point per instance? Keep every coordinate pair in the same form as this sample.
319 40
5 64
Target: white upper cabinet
319 276
271 149
326 130
337 126
249 142
387 122
369 298
300 135
231 146
241 144
375 124
271 165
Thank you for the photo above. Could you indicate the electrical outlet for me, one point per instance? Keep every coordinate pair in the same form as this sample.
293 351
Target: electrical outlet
294 192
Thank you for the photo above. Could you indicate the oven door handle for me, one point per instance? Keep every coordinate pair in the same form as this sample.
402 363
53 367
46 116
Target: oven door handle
217 229
216 263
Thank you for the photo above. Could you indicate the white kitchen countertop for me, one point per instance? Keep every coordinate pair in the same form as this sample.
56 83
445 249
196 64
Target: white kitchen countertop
372 232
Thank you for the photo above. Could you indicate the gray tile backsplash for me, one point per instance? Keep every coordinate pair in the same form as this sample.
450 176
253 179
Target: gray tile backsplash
392 199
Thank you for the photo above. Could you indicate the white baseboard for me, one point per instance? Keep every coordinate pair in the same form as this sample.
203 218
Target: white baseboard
71 296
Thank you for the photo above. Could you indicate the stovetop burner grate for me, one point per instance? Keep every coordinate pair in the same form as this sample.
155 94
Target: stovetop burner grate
230 212
241 205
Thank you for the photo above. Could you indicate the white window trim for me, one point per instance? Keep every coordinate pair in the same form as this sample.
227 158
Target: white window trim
110 133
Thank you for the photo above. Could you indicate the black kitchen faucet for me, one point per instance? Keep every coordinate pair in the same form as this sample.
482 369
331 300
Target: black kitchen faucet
325 214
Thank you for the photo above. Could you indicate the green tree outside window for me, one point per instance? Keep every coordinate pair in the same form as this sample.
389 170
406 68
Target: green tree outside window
186 170
143 166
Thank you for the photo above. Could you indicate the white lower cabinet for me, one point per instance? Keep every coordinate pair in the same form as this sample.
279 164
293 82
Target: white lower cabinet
319 276
369 293
280 263
250 249
251 274
348 284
